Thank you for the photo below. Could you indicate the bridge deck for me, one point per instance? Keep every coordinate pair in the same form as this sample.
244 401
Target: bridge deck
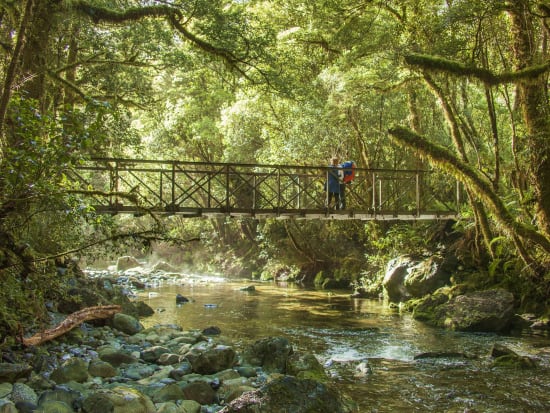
210 190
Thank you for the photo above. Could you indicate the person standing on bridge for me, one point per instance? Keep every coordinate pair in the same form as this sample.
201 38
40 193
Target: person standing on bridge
333 183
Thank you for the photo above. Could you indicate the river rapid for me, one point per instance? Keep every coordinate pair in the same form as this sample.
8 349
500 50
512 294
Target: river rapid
367 348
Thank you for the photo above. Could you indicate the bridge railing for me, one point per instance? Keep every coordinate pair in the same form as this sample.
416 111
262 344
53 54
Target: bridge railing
208 189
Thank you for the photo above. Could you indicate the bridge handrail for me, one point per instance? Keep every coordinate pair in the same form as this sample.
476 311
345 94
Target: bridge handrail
174 186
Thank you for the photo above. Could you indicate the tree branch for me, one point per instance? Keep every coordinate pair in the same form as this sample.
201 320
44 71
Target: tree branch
486 76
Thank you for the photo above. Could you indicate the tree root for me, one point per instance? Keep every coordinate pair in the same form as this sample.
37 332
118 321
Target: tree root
72 321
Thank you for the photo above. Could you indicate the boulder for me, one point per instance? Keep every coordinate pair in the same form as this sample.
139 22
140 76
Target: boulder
271 353
168 393
290 394
119 399
7 407
488 311
152 354
64 395
126 262
127 324
212 360
428 275
74 369
408 278
99 368
394 279
305 366
23 393
116 357
199 391
10 372
53 406
164 267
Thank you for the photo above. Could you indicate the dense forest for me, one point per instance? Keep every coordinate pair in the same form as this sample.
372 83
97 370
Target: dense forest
459 86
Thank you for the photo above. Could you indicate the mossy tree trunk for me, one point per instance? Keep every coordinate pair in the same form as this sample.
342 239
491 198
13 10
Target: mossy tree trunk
533 99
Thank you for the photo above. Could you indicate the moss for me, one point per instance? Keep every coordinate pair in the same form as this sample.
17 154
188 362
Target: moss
514 362
440 64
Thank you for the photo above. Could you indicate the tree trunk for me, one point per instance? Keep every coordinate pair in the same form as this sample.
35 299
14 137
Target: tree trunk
535 108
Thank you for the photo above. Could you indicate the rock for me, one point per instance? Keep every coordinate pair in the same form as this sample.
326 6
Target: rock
100 368
126 262
305 366
168 359
74 369
180 299
168 407
168 393
247 371
499 350
23 393
488 311
199 391
143 309
181 370
190 406
212 331
10 372
408 278
119 399
152 354
289 394
127 324
69 397
248 288
271 353
5 390
54 407
116 357
394 278
7 407
505 357
139 371
429 275
212 360
26 407
164 267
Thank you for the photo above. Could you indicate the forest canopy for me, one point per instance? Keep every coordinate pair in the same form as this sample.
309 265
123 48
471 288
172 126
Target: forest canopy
461 85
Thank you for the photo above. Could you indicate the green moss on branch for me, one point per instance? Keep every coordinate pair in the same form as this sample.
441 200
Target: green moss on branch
440 64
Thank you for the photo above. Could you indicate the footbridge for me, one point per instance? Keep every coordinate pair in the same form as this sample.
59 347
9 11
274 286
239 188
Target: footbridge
200 189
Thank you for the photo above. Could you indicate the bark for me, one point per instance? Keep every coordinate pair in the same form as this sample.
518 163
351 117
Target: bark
535 108
72 321
11 72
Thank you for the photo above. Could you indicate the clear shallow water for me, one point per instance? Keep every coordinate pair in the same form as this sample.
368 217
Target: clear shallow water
342 332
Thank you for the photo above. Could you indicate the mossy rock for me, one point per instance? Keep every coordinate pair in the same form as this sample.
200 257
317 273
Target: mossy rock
512 361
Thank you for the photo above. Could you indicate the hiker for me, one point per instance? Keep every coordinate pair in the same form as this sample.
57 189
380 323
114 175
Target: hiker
333 183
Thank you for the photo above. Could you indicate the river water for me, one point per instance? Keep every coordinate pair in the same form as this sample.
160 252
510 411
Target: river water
342 332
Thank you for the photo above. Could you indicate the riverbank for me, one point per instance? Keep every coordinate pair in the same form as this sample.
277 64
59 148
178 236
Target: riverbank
218 340
124 368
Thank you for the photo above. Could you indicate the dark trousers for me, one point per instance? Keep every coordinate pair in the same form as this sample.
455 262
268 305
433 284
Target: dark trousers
342 196
336 196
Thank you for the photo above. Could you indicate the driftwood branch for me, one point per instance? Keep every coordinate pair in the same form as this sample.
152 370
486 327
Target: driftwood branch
72 321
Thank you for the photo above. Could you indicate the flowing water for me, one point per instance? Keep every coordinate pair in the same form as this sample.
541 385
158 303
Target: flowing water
343 332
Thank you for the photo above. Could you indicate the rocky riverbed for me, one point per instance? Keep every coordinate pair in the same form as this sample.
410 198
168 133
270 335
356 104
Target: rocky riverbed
118 366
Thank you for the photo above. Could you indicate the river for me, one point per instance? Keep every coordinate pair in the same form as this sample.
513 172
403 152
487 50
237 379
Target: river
342 332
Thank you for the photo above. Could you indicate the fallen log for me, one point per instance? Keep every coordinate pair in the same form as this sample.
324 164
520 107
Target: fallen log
72 321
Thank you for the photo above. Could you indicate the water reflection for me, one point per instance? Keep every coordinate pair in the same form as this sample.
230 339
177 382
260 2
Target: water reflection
343 332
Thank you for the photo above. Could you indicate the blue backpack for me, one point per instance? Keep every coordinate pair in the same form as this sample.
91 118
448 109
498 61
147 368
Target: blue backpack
349 171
